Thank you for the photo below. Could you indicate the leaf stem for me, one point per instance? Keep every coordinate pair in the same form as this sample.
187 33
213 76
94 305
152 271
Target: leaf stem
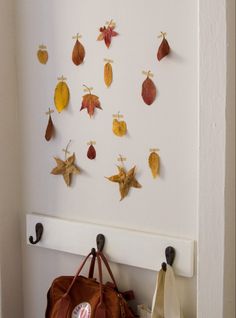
87 88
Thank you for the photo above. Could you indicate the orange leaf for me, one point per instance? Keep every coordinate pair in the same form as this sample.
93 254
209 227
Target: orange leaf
148 91
78 53
90 102
108 74
50 129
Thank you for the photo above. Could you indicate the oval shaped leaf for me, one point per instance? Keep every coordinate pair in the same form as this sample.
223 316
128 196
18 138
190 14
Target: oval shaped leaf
154 163
61 96
148 91
42 56
50 129
164 49
108 74
78 53
91 154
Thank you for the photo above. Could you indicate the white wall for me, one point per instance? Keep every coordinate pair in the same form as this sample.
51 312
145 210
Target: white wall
167 205
10 254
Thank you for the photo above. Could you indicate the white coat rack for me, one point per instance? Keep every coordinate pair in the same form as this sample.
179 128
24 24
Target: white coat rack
130 247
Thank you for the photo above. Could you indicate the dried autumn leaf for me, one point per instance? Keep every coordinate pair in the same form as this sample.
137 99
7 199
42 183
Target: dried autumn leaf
107 33
66 168
91 154
126 180
78 53
90 102
154 163
119 128
50 129
148 91
42 55
164 49
108 74
61 96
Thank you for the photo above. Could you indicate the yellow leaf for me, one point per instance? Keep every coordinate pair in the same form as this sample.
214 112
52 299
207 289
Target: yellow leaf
108 74
119 128
42 56
154 163
61 96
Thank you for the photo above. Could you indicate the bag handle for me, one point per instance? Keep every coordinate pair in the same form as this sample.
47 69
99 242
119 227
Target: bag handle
104 259
78 272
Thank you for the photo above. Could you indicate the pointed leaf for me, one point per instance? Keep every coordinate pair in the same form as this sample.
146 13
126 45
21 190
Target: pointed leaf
78 53
90 102
164 49
148 91
91 154
50 129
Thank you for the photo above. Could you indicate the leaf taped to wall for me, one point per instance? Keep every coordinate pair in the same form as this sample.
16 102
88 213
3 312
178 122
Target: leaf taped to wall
78 52
67 168
125 179
164 48
119 127
149 90
108 72
154 162
91 153
61 94
90 101
42 54
50 130
107 33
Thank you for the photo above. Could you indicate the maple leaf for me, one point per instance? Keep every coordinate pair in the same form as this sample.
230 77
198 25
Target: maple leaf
126 181
66 168
107 33
90 102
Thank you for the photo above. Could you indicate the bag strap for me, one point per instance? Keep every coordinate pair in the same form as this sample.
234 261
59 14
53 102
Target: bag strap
108 268
78 272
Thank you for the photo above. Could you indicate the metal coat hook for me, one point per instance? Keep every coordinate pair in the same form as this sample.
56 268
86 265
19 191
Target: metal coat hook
100 242
39 233
170 257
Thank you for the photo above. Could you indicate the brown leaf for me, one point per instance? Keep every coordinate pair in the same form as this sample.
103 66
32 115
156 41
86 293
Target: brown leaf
164 49
154 163
91 154
108 74
50 129
90 102
66 168
126 181
148 91
78 53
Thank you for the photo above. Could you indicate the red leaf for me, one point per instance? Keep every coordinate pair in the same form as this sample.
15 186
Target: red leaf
50 129
107 38
148 91
91 154
164 49
106 34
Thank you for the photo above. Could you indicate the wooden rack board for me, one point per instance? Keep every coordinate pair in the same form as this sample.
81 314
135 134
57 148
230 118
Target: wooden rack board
124 246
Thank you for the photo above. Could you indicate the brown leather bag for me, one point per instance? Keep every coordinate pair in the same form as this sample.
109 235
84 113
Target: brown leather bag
82 297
